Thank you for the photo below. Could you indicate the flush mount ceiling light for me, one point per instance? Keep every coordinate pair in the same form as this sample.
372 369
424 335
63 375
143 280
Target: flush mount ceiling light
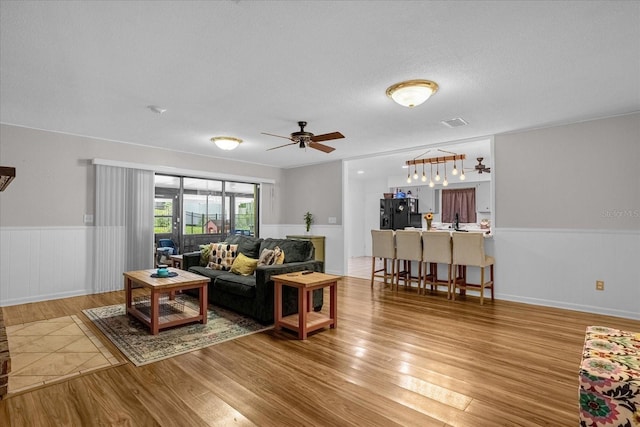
412 92
226 142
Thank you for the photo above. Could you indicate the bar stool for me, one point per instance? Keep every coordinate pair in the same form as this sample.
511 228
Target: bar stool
408 249
383 246
436 249
468 250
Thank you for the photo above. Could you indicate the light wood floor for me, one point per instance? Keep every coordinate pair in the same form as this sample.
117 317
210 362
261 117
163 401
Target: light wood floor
395 359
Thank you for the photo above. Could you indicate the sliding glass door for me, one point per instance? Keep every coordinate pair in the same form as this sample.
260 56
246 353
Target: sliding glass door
195 211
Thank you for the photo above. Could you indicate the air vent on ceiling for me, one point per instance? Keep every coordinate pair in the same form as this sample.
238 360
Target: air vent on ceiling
454 123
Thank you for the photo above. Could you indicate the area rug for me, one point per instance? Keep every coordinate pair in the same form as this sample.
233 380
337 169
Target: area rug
135 341
50 351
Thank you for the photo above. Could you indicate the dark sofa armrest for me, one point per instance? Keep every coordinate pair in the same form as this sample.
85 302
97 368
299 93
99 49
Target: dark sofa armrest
190 259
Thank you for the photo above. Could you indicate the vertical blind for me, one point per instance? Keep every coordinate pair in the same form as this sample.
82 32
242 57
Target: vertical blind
123 224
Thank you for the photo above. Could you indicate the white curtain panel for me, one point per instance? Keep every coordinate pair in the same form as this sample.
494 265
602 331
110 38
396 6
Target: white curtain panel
123 223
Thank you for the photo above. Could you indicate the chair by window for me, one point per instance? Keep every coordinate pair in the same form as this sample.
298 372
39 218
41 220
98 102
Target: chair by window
408 249
436 249
468 250
166 248
383 246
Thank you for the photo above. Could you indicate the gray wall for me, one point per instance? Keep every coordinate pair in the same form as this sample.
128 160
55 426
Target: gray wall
314 188
582 176
54 184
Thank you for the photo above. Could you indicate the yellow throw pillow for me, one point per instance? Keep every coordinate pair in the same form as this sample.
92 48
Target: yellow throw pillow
244 265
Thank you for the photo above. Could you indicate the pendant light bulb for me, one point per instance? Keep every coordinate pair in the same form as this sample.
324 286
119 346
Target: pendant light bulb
462 177
409 178
431 184
437 172
455 170
415 172
424 176
445 182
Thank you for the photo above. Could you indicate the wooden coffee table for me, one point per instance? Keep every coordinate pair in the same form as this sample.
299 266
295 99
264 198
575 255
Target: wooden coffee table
306 321
166 285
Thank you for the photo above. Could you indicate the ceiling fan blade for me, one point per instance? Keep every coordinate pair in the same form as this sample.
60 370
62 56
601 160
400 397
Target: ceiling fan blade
321 147
280 146
279 136
327 136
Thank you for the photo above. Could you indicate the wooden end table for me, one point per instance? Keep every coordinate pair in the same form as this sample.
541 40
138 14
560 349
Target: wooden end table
176 261
305 320
165 285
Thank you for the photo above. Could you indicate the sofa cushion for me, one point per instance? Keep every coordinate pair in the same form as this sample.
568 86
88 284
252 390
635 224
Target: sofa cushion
244 286
204 271
294 250
244 265
222 256
250 246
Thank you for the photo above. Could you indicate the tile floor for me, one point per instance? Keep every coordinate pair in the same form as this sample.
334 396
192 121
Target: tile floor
53 350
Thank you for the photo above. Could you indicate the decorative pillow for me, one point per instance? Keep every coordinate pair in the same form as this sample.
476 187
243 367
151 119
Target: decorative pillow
266 257
280 257
244 265
205 251
271 256
222 256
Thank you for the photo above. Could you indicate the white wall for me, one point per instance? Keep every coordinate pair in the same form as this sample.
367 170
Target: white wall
46 250
557 192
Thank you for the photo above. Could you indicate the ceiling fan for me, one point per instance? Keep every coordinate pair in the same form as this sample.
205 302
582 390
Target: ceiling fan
307 139
480 168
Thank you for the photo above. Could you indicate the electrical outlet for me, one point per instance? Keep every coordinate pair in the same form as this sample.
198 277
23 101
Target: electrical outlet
599 285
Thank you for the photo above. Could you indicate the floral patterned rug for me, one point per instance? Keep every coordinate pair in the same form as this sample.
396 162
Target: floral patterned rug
135 341
610 378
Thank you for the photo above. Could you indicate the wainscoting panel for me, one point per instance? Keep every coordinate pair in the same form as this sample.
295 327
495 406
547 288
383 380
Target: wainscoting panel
559 268
39 264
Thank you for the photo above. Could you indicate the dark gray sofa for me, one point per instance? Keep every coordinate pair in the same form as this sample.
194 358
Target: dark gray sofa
253 295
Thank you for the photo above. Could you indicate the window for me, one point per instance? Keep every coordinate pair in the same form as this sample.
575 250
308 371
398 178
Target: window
460 201
194 211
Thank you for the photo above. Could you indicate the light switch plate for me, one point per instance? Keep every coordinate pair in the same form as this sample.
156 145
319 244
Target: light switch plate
88 219
332 220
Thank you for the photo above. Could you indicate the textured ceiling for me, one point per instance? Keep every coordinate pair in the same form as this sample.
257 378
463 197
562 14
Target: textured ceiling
241 68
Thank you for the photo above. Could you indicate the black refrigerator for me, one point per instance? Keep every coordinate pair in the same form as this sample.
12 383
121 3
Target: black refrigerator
396 214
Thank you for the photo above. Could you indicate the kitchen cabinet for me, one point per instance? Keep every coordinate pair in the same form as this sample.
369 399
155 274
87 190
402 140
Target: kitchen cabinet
483 197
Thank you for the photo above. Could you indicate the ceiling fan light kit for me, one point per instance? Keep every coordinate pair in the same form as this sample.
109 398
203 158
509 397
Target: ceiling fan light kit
226 142
412 93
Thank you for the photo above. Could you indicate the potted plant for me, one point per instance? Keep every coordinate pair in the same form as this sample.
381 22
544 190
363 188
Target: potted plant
308 220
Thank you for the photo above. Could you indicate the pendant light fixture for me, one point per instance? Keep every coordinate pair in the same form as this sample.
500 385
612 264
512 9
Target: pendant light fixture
412 93
437 160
